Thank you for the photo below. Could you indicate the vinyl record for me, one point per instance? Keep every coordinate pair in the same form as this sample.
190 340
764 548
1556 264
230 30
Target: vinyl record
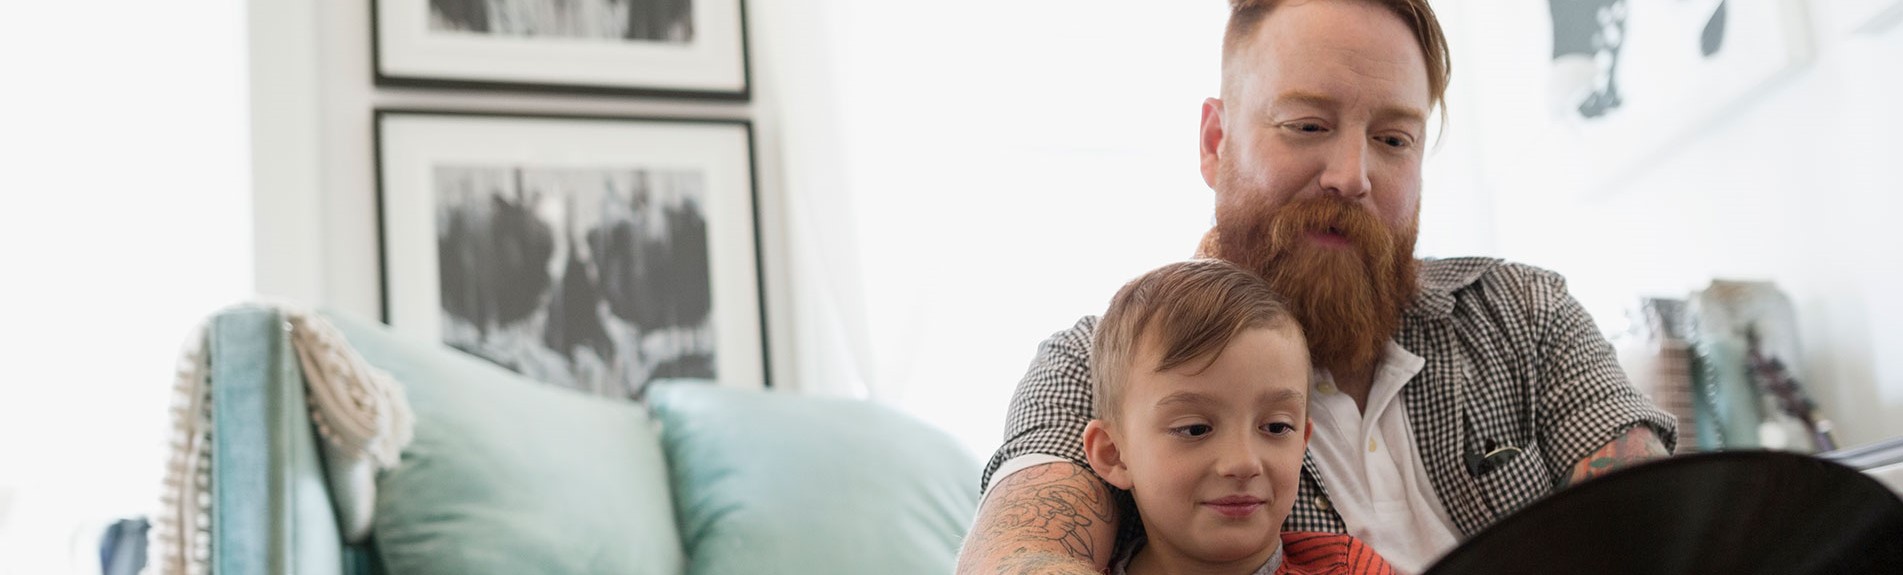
1730 512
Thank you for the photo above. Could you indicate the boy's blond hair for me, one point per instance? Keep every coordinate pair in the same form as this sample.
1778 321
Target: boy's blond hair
1187 311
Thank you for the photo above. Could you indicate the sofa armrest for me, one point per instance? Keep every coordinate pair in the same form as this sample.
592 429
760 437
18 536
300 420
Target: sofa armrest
271 511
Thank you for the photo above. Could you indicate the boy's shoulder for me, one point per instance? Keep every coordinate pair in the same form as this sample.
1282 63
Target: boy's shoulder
1317 553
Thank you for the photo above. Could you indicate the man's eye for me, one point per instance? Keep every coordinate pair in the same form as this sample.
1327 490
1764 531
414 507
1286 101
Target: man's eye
1279 428
1197 430
1307 127
1394 141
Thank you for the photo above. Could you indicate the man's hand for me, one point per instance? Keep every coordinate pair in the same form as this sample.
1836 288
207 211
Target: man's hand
1638 445
1052 519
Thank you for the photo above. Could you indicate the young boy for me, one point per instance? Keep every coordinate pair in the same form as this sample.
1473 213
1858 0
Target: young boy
1201 389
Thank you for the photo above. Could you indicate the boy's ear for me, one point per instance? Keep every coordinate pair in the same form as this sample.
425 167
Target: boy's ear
1100 449
1308 430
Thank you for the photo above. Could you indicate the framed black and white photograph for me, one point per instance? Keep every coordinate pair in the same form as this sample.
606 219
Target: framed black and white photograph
599 254
675 48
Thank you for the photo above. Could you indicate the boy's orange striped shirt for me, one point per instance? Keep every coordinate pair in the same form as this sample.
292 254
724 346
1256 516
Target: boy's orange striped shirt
1312 553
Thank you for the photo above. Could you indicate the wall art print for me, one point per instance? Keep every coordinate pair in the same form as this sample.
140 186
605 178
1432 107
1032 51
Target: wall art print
675 48
1603 89
599 254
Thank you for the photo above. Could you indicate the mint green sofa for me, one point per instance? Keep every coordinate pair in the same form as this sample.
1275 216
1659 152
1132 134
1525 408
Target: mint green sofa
511 476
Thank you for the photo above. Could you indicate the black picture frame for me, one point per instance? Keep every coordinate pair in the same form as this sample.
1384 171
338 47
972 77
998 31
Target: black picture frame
399 38
666 169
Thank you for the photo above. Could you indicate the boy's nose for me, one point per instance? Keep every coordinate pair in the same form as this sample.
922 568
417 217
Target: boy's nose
1239 461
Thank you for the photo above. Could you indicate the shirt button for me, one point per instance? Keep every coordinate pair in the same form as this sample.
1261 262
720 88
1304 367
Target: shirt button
1371 445
1321 503
1326 387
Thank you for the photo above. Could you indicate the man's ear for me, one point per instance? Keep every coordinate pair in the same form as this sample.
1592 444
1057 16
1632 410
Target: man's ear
1209 140
1100 449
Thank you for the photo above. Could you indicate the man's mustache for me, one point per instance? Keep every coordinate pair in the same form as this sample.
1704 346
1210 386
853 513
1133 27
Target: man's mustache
1325 214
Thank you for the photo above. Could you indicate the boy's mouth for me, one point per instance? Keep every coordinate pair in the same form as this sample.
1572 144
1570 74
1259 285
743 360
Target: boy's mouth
1235 505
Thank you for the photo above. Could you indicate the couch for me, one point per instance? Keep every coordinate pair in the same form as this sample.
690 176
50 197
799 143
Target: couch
506 475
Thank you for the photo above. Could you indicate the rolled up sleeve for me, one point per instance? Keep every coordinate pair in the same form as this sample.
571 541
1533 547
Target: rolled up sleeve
1051 406
1587 400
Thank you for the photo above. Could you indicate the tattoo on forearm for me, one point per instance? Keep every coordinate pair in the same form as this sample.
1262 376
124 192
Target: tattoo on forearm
1033 563
1038 511
1638 445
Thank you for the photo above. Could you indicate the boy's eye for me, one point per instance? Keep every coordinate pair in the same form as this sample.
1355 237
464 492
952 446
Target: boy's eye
1279 428
1195 430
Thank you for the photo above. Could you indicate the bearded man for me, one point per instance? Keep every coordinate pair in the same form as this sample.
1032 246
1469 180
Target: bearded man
1447 394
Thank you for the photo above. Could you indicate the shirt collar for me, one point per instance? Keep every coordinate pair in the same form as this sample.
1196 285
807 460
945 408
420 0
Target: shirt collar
1398 366
1440 278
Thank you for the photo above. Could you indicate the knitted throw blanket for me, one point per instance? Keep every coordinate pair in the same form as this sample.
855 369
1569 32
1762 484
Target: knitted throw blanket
358 410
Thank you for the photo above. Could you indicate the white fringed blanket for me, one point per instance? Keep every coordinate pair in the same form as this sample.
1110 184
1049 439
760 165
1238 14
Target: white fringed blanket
358 410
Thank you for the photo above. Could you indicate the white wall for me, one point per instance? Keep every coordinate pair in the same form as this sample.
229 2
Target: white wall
124 147
1794 185
992 179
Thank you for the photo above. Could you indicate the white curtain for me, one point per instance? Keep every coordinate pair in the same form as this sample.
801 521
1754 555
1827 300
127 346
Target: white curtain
124 138
962 180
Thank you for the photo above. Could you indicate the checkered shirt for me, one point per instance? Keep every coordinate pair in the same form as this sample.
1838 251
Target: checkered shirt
1510 357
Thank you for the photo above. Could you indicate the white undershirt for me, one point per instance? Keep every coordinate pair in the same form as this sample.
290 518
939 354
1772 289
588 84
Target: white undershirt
1372 470
1016 464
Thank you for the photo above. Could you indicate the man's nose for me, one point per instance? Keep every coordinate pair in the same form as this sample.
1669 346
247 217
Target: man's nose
1239 459
1346 175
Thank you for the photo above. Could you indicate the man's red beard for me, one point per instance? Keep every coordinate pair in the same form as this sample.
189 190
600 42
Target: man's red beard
1349 299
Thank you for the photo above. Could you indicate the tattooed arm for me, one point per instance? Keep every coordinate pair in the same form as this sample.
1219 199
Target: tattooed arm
1638 445
1052 519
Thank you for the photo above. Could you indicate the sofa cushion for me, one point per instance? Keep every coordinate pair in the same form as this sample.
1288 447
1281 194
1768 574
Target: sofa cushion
507 475
770 482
